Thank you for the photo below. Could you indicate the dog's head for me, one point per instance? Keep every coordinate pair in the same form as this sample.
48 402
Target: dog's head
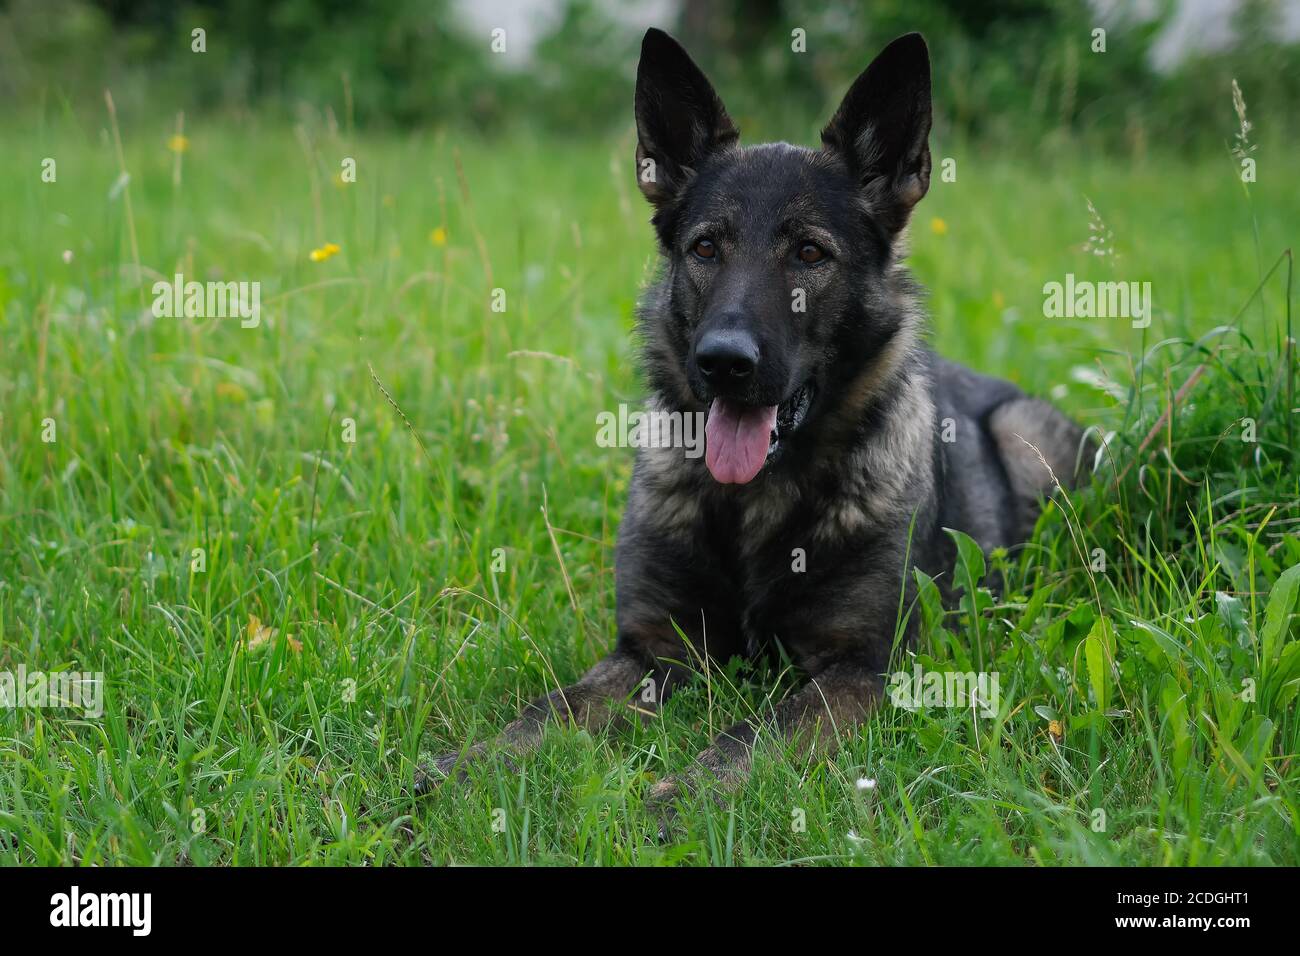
778 256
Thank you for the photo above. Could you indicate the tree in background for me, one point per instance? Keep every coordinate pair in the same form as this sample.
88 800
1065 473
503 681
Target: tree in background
1005 70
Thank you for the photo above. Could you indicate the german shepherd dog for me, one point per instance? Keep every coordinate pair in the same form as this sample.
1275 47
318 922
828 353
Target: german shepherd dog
782 310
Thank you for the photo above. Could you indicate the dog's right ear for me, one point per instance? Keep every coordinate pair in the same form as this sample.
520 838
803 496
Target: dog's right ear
679 118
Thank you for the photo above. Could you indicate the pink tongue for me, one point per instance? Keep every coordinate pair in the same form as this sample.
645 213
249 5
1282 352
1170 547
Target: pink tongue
735 440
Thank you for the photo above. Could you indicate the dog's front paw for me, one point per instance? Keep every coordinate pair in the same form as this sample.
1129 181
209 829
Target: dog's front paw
455 767
661 803
664 793
665 799
433 773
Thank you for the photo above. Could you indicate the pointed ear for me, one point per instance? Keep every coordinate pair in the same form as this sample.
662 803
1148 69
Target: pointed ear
679 118
882 129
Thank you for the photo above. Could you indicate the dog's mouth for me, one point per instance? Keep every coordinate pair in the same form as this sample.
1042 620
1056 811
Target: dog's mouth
740 439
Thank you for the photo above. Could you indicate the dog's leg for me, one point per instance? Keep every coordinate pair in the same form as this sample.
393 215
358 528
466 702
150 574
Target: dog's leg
599 698
659 582
839 697
1024 428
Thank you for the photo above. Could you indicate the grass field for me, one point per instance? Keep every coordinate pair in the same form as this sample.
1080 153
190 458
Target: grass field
1148 709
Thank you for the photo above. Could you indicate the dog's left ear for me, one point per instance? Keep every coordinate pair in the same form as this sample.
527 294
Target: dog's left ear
882 129
679 118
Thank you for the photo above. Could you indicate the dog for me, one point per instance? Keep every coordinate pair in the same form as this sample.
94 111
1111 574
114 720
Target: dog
783 312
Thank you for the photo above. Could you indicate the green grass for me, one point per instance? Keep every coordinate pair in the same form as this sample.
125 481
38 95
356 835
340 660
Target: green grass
174 435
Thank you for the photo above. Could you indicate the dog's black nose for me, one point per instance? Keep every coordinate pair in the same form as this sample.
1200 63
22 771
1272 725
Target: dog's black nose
726 356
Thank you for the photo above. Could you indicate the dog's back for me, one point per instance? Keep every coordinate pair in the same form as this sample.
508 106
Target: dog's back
990 436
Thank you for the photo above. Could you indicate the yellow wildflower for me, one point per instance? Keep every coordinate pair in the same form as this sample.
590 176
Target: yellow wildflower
232 391
258 634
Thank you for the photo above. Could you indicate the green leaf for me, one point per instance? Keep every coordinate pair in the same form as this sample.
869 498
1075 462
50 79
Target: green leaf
1232 614
1169 645
930 601
1095 652
1173 704
1255 740
1079 621
970 558
1277 616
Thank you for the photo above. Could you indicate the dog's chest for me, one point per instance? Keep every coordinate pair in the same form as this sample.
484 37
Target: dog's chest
776 565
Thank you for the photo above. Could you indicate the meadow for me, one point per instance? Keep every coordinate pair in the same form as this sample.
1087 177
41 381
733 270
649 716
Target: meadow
308 553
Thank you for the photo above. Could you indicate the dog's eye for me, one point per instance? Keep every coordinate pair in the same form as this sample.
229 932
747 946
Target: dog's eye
810 252
704 249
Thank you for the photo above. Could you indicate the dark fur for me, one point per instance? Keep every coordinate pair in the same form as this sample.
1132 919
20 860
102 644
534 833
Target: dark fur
865 485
